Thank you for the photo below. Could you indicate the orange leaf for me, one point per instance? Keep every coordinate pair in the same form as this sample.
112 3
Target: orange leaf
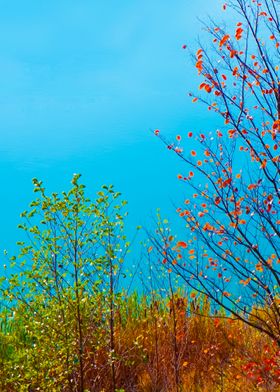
207 153
224 40
182 244
226 294
226 182
251 186
238 33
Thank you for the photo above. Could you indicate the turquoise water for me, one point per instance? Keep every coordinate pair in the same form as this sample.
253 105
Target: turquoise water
82 86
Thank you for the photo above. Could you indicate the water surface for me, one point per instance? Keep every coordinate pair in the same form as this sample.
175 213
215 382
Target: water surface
82 86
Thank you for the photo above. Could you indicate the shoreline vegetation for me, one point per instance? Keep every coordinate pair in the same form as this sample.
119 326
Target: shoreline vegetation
160 345
67 325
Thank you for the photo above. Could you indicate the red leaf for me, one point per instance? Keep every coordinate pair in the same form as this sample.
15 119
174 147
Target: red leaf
182 244
226 182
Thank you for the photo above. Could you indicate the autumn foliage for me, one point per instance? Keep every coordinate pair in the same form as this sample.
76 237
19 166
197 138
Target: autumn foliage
212 352
232 208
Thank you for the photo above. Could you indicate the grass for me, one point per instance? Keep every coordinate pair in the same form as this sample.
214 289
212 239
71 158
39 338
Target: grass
161 345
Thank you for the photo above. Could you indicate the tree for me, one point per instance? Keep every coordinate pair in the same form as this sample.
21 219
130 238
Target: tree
62 287
233 252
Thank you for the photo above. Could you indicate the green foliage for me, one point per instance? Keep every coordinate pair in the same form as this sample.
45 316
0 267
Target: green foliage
58 287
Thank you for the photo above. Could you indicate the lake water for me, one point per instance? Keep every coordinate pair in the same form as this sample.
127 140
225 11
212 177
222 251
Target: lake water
82 86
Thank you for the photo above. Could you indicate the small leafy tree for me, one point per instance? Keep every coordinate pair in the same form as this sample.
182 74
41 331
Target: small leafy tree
62 287
231 252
